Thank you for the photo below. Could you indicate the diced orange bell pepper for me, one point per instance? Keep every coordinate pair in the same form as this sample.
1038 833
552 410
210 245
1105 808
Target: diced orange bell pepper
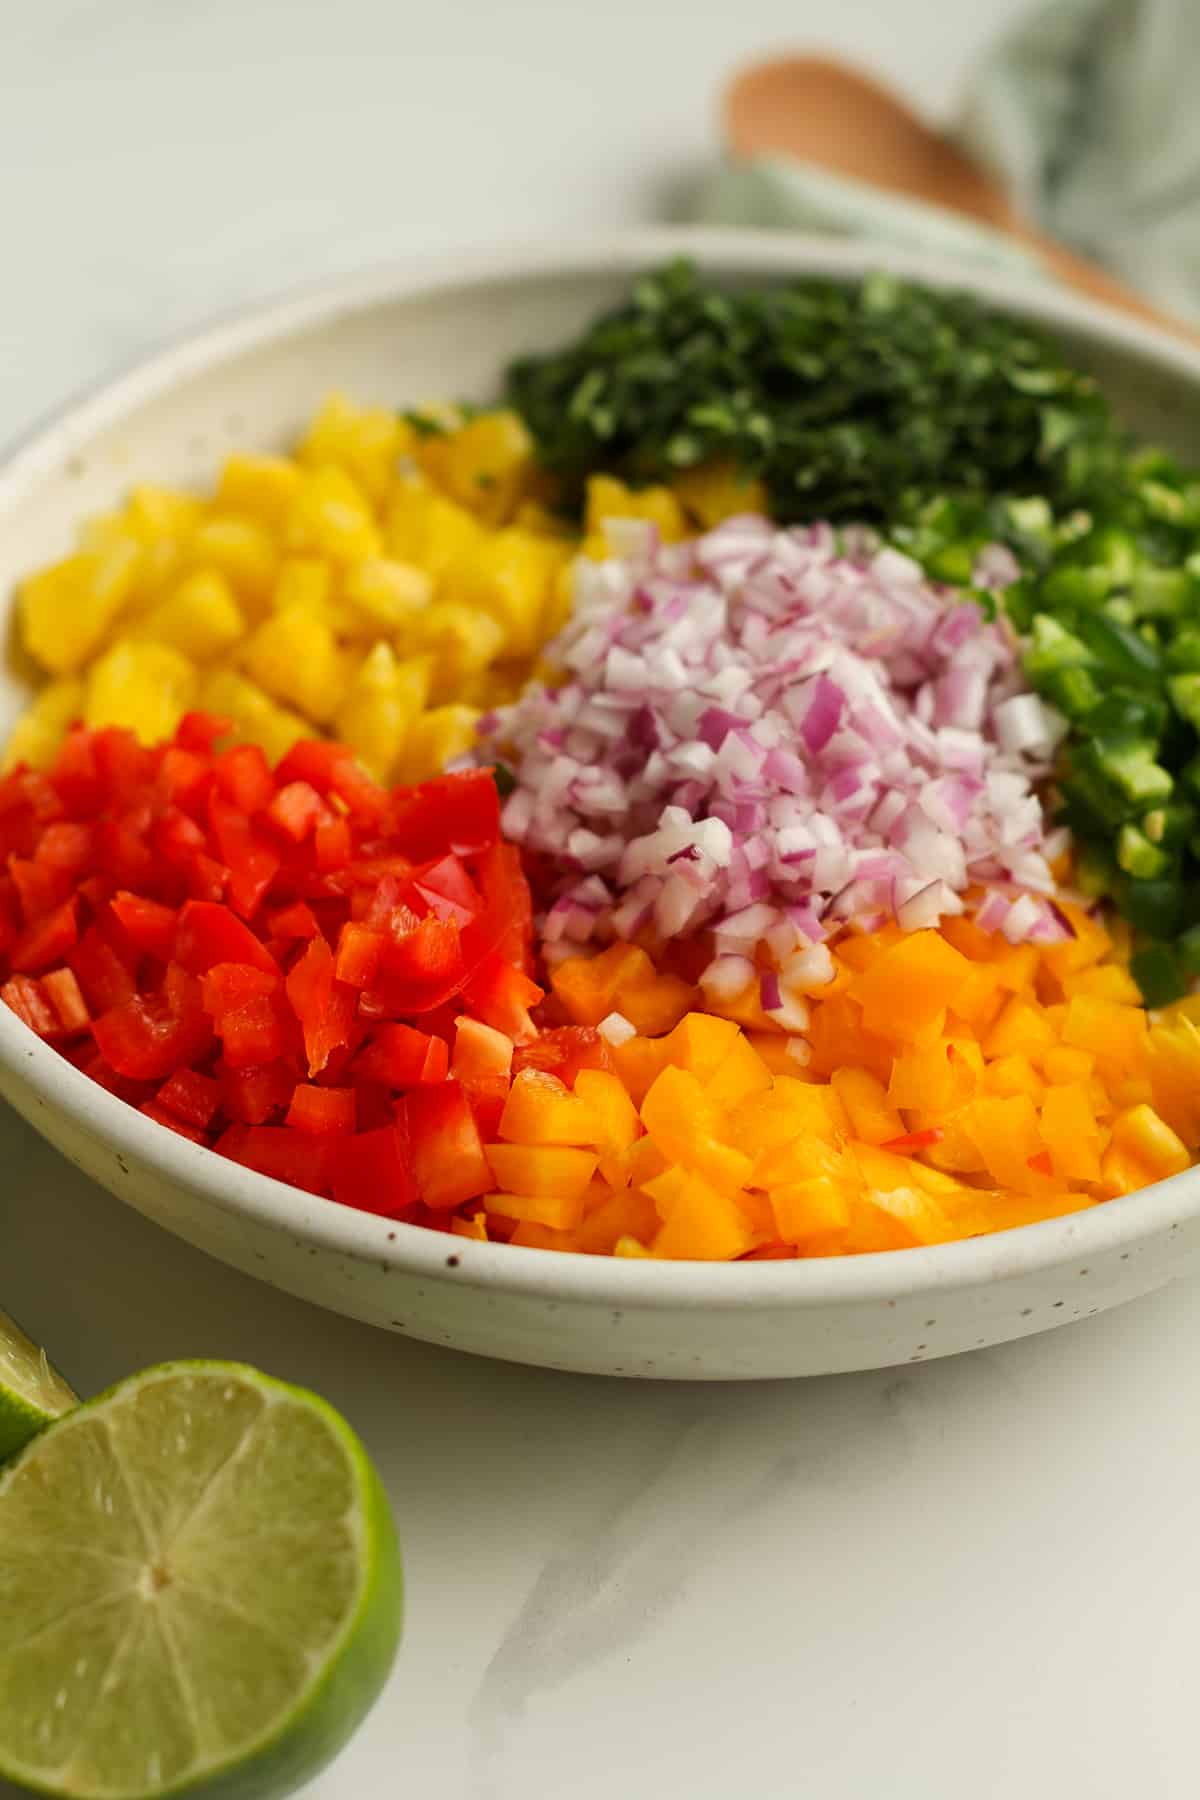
903 991
704 1226
540 1110
688 1129
806 1211
1071 1132
541 1169
866 1104
1005 1132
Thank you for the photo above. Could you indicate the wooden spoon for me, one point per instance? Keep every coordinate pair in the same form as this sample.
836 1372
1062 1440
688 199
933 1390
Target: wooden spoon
828 114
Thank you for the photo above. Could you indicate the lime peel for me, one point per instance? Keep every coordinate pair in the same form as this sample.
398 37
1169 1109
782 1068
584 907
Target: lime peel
202 1590
32 1392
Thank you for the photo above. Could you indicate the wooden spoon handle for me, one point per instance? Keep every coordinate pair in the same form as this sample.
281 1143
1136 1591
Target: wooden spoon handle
827 113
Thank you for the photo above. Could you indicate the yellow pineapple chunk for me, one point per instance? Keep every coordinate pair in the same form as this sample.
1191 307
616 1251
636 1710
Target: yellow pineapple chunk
294 655
331 516
259 487
199 617
436 738
67 610
423 527
40 730
254 716
509 576
462 641
365 442
485 465
242 550
144 687
381 595
382 702
305 582
715 490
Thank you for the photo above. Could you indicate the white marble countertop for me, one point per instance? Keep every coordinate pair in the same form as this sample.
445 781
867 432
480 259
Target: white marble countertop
974 1578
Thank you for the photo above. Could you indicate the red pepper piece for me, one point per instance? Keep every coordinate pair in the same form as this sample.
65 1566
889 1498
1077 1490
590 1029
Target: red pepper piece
332 842
47 940
124 767
1041 1163
210 933
244 778
146 1038
227 986
445 1149
325 1112
399 1057
358 954
23 995
324 1006
295 810
75 778
423 967
66 844
252 1094
162 1116
148 925
61 989
40 887
448 891
500 995
127 859
289 1156
200 731
184 777
370 1171
252 862
191 1097
462 810
106 978
294 921
332 769
507 904
564 1052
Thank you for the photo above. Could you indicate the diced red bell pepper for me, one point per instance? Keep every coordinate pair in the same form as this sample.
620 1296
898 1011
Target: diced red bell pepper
325 1007
251 1033
107 978
146 1039
200 730
62 991
291 1156
332 842
75 777
163 1116
149 926
295 921
507 915
295 810
500 995
184 777
325 1112
358 954
206 879
47 940
244 778
252 1094
66 844
332 769
125 767
209 933
40 887
423 967
191 1097
370 1171
227 986
252 862
482 1066
399 1057
909 1142
462 810
23 995
126 857
448 891
445 1149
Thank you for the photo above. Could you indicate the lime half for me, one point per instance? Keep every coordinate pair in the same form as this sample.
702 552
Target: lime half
199 1590
31 1392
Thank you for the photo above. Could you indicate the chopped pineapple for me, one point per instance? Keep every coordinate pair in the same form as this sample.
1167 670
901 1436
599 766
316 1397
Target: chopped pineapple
41 728
714 491
243 551
199 617
331 516
462 641
423 527
259 487
436 738
67 610
294 655
254 715
485 465
383 701
382 595
147 688
509 576
366 443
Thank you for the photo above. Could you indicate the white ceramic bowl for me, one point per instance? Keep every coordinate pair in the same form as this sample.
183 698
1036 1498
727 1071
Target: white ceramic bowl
404 337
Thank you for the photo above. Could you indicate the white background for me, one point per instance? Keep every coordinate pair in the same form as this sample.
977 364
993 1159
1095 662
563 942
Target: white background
972 1580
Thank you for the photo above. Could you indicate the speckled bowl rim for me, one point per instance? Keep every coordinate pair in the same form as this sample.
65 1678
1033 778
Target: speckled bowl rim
602 1281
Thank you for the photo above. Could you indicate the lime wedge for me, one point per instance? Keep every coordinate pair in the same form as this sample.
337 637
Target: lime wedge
31 1392
199 1590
